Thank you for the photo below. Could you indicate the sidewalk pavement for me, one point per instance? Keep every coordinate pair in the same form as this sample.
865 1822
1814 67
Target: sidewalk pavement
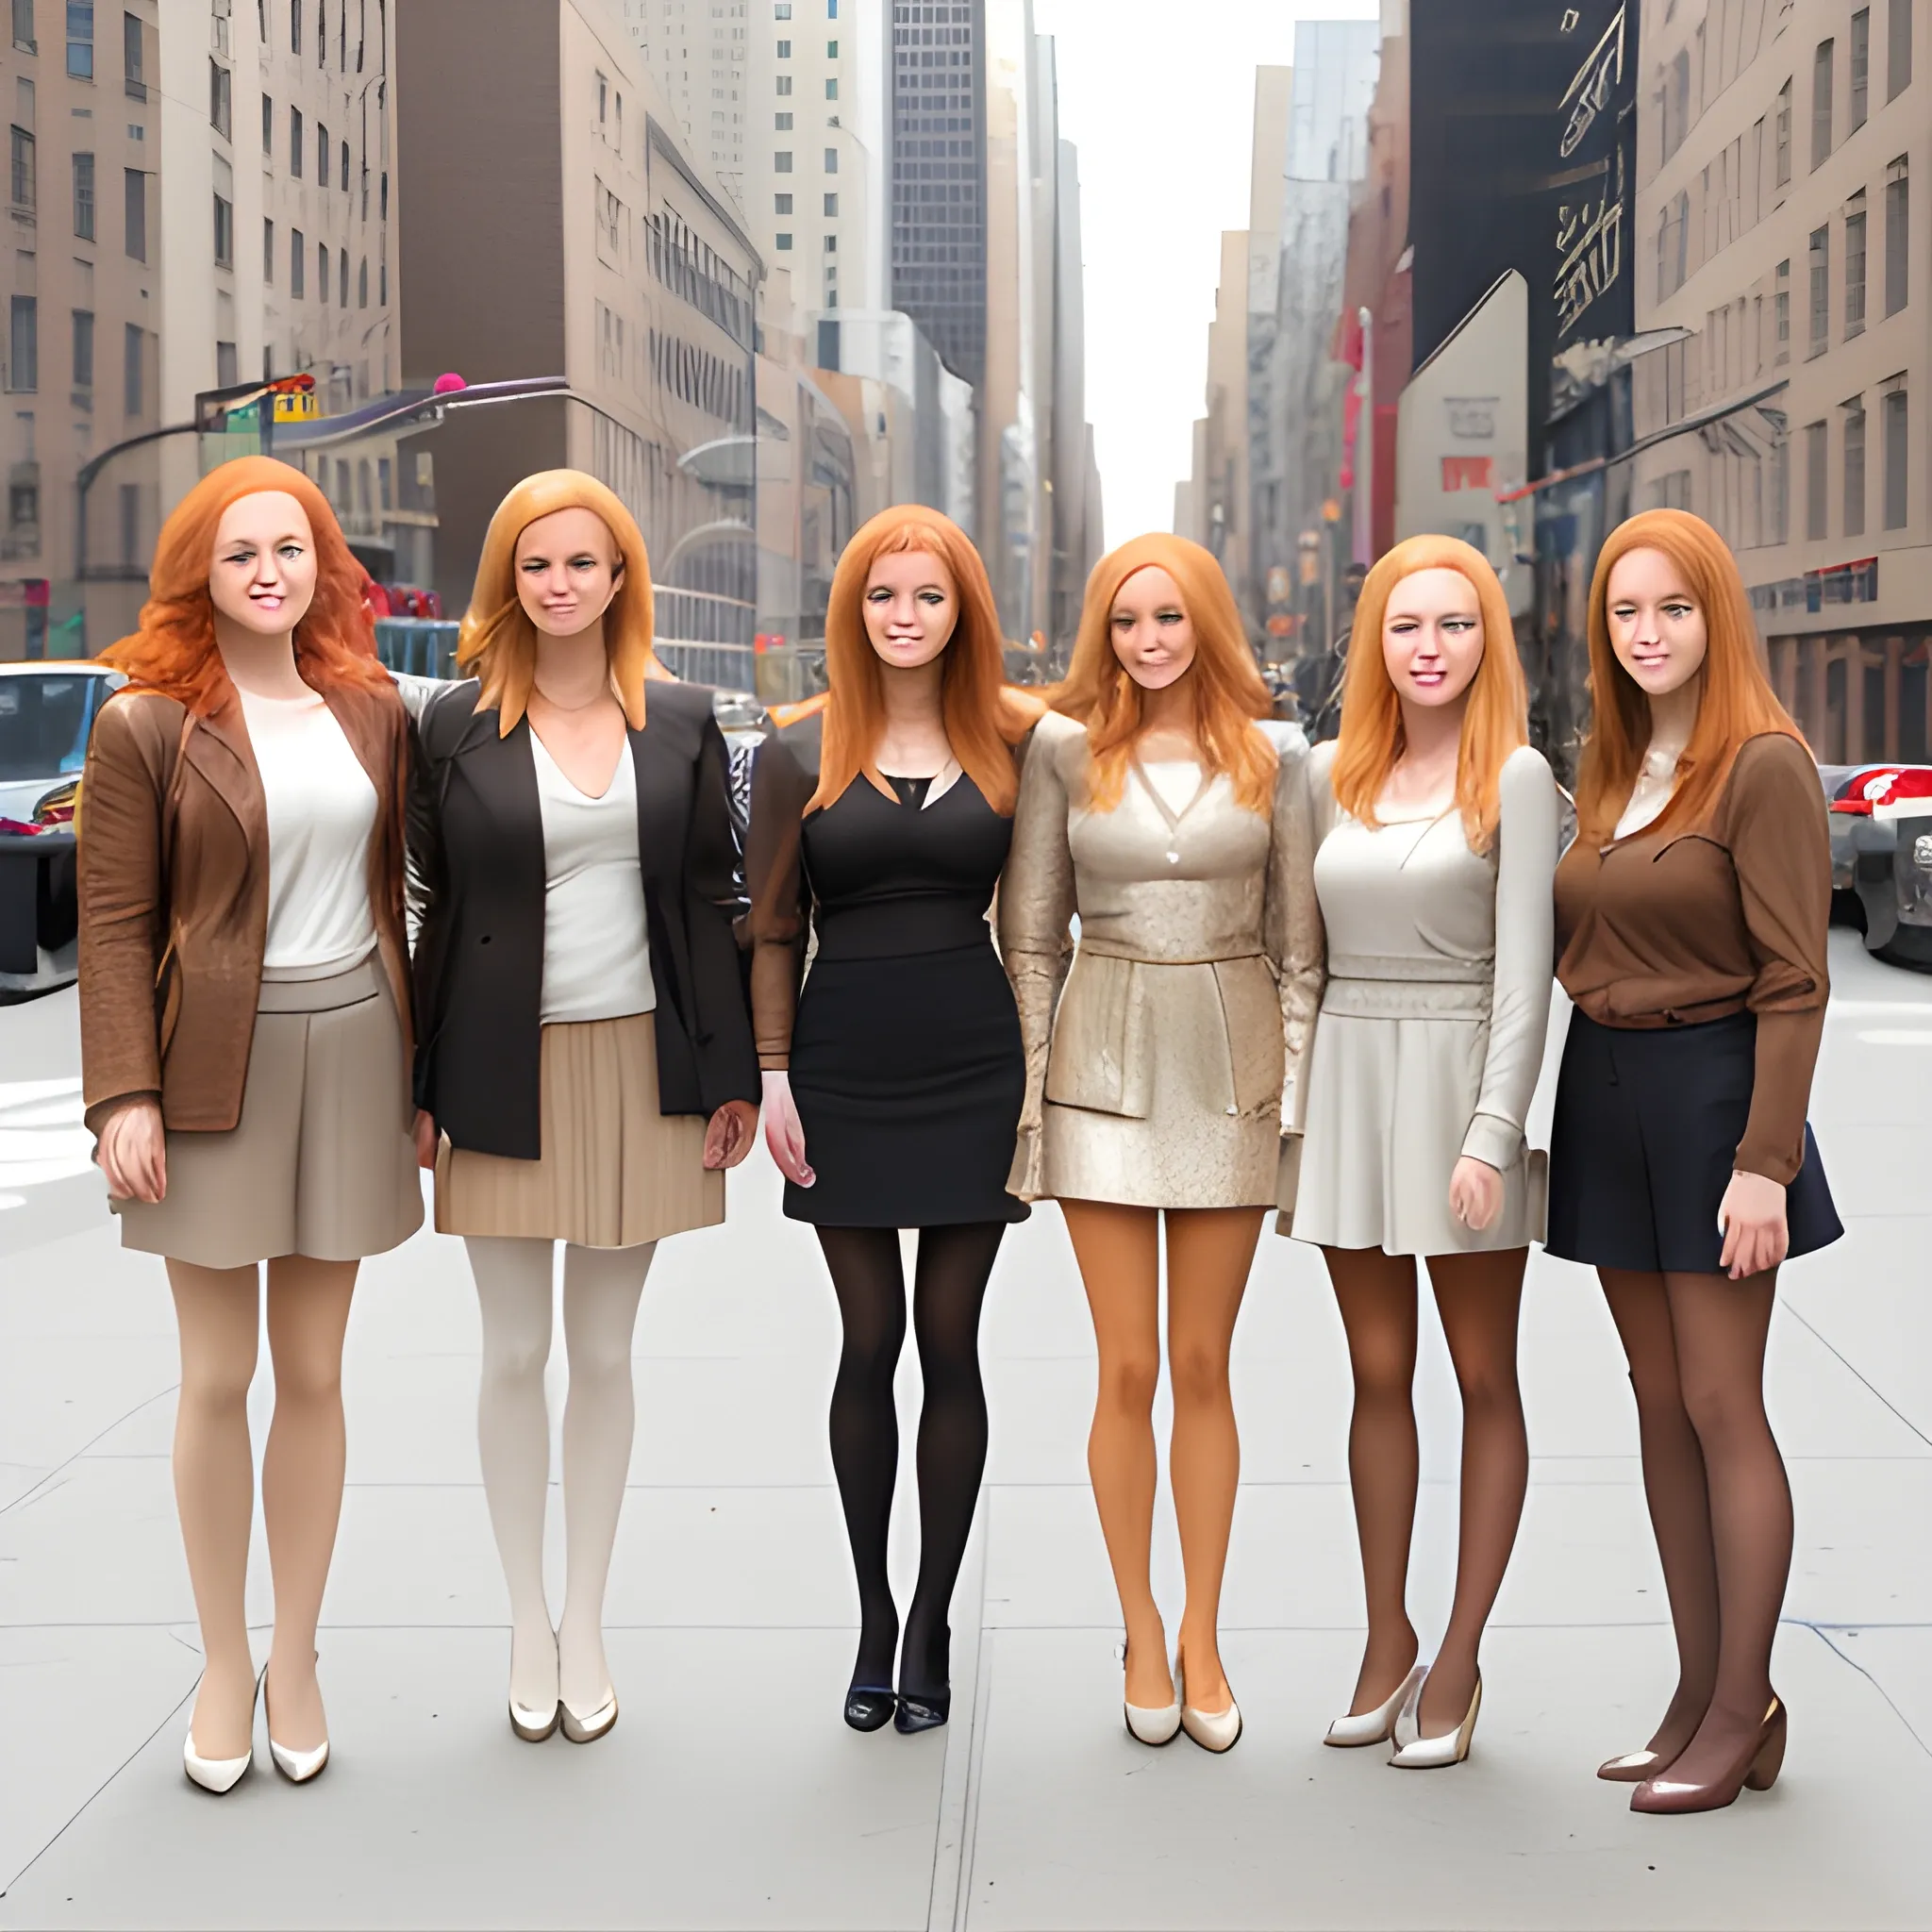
731 1794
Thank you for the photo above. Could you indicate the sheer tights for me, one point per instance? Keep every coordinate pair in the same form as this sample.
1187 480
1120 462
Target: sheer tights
1479 1297
948 1289
1719 1505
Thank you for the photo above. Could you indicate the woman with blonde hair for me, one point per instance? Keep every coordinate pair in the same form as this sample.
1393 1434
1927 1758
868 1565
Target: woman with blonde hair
1158 807
586 1069
893 1082
1692 918
1437 832
245 1024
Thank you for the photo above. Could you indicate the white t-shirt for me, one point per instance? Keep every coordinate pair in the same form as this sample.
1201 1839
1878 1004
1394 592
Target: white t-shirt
321 812
597 945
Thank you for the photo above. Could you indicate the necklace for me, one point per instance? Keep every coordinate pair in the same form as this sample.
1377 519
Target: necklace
569 710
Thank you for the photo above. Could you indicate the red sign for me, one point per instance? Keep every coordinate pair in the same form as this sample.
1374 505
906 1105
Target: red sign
1469 473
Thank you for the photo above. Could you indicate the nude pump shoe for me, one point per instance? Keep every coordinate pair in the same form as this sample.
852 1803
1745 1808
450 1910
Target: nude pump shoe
298 1767
1213 1730
219 1774
1415 1751
1373 1726
1755 1769
533 1722
1151 1723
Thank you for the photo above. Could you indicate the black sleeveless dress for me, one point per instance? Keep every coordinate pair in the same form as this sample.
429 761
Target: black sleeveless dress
906 1060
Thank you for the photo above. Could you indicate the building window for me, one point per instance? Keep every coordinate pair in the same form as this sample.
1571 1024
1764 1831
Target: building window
342 278
1820 291
783 84
344 178
382 283
24 27
1894 422
20 183
1855 469
322 273
784 50
362 283
781 123
1821 102
1897 237
84 196
784 241
23 357
80 39
385 485
831 245
831 160
1854 273
295 142
322 154
220 99
831 9
831 89
1781 306
268 250
782 10
831 206
1814 480
298 264
831 50
228 365
133 357
83 348
1861 69
134 191
783 203
1782 146
1898 52
268 125
321 32
781 161
224 233
295 27
603 100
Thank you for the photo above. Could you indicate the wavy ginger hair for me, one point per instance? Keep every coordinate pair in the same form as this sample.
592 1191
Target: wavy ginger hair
497 644
172 649
1735 700
1495 716
983 719
1228 688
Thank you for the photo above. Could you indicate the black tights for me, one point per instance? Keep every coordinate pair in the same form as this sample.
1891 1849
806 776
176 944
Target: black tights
948 1287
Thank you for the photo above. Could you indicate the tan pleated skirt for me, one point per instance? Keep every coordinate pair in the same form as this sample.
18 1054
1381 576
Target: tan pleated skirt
614 1172
322 1162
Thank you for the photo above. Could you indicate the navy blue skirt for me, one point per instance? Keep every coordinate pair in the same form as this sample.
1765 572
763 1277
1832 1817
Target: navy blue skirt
1647 1124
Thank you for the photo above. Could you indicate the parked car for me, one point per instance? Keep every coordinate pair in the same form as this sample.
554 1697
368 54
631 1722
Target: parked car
1881 856
48 708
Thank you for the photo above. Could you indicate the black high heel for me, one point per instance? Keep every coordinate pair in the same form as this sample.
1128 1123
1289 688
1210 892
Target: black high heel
869 1708
925 1711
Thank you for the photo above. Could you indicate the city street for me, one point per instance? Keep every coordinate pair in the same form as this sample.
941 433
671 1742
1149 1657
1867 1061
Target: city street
731 1794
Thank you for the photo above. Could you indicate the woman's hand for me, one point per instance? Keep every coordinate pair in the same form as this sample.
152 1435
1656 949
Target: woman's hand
729 1137
1475 1193
1752 1219
426 1139
133 1154
784 1136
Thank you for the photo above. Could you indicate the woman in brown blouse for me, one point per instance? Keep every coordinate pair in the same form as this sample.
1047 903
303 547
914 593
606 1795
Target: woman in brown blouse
1690 932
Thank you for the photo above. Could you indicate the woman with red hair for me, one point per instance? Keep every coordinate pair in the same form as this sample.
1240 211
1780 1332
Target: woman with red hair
245 1038
893 1083
1436 829
1175 823
1691 919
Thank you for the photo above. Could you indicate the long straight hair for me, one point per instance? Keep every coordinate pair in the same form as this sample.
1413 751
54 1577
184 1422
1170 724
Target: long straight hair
1495 718
983 721
497 642
172 649
1228 689
1734 699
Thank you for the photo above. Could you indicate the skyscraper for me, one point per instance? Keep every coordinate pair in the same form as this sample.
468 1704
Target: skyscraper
938 120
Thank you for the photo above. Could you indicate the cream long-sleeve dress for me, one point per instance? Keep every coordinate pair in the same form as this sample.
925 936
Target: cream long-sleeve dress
1155 1079
1436 965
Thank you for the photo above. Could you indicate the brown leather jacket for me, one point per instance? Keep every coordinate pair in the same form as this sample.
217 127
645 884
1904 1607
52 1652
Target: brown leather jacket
174 897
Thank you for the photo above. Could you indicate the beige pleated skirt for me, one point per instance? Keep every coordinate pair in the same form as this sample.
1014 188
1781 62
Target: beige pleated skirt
614 1172
322 1162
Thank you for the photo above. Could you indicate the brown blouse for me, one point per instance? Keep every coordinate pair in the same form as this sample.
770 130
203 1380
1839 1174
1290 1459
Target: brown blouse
1676 924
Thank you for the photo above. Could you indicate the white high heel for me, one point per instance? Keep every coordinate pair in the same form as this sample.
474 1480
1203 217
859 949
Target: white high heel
534 1723
1415 1751
587 1730
298 1767
1373 1726
219 1774
1213 1730
1152 1724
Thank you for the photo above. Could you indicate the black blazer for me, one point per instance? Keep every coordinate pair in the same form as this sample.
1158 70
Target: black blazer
477 877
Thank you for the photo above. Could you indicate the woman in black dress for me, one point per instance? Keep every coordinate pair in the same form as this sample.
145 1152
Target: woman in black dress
878 829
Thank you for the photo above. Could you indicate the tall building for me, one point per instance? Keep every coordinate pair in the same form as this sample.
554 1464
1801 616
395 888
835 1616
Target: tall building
939 109
1774 216
698 51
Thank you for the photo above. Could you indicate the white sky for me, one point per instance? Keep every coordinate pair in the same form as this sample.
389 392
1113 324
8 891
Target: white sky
1160 99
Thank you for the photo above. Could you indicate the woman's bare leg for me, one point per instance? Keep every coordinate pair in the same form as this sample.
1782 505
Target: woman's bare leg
301 1477
1674 1487
218 1311
1480 1298
1119 1252
1210 1252
1376 1295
